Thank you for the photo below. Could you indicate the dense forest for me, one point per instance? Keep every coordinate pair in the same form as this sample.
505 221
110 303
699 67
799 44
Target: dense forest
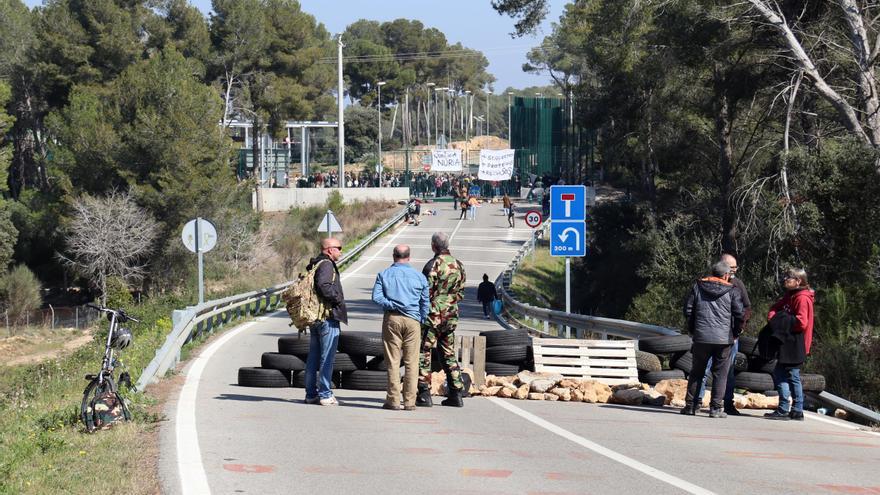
743 127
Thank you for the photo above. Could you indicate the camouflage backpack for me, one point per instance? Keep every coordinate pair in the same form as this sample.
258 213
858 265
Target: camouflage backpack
107 409
304 305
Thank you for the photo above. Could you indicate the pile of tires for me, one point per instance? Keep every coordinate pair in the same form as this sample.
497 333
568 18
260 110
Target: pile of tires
508 352
752 373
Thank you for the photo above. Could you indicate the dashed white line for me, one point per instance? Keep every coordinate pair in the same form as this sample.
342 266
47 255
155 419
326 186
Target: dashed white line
603 451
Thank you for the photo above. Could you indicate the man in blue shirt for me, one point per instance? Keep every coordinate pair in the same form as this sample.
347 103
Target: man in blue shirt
402 292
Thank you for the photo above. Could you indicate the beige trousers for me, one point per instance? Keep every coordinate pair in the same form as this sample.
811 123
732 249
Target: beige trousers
401 336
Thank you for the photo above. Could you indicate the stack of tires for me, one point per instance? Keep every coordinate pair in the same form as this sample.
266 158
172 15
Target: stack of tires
508 352
752 373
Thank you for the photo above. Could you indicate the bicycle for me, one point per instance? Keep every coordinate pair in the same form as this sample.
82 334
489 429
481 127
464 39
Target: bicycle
101 403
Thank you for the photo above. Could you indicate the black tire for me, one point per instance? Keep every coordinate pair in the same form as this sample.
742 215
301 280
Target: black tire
298 380
348 362
755 382
365 380
510 354
655 377
759 365
502 369
748 345
645 361
296 346
497 338
284 362
685 362
262 377
813 382
740 363
666 344
92 391
361 343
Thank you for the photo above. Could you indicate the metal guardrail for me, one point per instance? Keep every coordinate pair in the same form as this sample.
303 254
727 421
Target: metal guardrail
194 321
580 323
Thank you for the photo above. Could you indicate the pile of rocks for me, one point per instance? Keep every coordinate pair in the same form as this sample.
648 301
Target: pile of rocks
532 385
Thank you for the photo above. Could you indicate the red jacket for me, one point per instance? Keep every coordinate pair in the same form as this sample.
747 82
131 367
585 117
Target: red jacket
799 303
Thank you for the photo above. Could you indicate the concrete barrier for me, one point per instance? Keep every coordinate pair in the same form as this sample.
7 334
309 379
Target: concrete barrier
283 199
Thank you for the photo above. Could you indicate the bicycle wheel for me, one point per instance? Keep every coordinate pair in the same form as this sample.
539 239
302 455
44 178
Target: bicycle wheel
90 394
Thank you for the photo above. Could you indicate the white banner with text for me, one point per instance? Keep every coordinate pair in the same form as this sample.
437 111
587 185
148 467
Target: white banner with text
446 161
496 164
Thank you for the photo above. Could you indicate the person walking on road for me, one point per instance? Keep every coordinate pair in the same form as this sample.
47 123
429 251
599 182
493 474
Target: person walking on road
472 207
797 304
505 202
464 207
403 293
486 295
511 215
324 334
446 278
714 312
729 406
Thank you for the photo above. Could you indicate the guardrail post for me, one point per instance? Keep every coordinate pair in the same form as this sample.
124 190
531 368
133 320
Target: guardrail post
547 327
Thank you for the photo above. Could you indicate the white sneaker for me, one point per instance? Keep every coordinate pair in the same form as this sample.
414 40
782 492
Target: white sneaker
329 401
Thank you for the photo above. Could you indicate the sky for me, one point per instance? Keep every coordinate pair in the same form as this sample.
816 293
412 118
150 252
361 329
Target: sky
474 23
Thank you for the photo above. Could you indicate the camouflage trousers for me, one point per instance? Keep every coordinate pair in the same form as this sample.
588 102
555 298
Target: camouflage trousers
444 338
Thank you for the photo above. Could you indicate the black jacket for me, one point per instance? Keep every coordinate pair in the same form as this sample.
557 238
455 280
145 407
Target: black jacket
777 341
714 311
328 285
486 292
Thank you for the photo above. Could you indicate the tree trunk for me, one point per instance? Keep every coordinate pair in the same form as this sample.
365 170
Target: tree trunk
723 129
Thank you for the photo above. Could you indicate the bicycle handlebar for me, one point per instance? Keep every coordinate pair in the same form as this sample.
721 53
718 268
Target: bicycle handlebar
118 312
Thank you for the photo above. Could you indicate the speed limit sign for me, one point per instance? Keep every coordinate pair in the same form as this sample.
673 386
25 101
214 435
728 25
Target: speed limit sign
533 218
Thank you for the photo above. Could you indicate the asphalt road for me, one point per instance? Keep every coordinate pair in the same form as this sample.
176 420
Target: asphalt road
222 438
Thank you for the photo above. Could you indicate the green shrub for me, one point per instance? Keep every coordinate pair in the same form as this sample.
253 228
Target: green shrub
20 293
118 294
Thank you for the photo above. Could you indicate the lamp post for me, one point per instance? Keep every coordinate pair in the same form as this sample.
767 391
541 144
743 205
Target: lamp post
467 126
450 92
430 85
379 105
442 118
509 137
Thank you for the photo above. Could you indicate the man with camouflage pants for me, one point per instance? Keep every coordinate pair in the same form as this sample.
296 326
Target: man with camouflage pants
446 278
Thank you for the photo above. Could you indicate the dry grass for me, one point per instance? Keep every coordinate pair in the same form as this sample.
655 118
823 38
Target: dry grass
540 279
35 344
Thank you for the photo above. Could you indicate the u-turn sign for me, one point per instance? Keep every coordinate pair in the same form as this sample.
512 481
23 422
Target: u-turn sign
568 214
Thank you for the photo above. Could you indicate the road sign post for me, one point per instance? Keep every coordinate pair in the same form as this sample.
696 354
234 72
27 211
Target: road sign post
199 236
329 224
533 220
568 230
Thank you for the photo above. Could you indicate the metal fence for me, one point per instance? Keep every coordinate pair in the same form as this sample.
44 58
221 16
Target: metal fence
51 317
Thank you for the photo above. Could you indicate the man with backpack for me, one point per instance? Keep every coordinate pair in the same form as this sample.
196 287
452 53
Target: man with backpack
325 331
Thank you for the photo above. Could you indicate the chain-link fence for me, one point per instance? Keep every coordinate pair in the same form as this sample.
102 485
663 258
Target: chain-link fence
52 317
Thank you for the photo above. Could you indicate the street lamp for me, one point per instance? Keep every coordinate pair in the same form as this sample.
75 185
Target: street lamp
509 94
450 92
379 105
437 116
430 85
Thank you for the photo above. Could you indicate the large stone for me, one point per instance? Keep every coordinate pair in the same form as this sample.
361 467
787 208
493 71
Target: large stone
653 398
551 397
438 383
628 396
536 396
541 386
679 403
510 386
595 392
577 395
674 390
492 380
740 401
491 391
569 383
841 414
761 401
625 386
522 392
506 392
564 394
524 377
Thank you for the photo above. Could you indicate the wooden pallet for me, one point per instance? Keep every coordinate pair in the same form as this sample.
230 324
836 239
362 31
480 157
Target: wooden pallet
608 361
471 353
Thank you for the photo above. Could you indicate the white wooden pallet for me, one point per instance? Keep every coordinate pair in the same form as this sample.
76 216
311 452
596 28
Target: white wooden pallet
471 353
608 361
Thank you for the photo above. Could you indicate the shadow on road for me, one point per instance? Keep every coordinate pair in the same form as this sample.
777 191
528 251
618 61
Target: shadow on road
250 398
651 409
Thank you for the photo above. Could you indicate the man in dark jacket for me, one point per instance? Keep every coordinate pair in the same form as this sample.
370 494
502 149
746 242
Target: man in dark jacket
714 312
325 332
486 294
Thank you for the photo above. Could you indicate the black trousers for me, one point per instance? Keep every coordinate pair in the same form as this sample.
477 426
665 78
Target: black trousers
720 354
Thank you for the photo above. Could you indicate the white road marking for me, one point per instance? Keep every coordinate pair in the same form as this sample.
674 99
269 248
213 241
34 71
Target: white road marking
603 451
189 455
839 424
375 256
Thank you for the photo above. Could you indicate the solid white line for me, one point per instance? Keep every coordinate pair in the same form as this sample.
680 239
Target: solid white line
189 455
838 423
603 451
363 263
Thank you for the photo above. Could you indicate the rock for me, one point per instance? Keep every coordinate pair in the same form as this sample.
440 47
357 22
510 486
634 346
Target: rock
491 391
740 401
536 396
577 395
541 386
492 380
595 392
707 399
674 390
653 398
506 392
551 397
761 401
841 414
679 403
624 386
564 394
438 383
524 377
522 392
470 372
628 396
509 386
569 383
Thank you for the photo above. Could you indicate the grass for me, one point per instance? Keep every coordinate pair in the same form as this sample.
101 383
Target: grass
540 279
43 446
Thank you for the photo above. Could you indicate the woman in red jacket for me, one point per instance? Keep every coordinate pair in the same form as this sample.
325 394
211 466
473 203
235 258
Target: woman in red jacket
798 302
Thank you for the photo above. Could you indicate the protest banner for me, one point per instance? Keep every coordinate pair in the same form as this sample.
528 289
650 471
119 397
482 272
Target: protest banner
446 161
496 164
